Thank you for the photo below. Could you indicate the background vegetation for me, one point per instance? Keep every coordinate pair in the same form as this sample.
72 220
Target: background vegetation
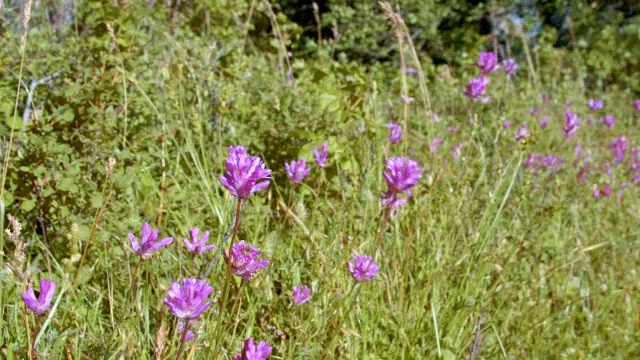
485 253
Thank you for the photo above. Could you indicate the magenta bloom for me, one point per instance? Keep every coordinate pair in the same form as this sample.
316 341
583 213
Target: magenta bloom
595 104
297 170
609 121
301 294
245 174
148 242
198 246
363 267
435 144
188 301
456 151
571 124
506 124
510 66
251 351
544 122
189 335
538 162
453 129
522 132
395 133
407 99
487 62
321 156
244 260
605 191
619 148
476 87
392 201
401 174
637 104
42 303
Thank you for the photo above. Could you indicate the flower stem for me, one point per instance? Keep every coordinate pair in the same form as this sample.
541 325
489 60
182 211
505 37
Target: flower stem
182 337
383 225
229 278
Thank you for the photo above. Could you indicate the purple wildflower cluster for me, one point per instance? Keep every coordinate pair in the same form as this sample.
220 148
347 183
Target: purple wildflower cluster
300 294
297 170
571 124
244 260
148 243
363 267
538 162
595 104
401 174
522 132
253 351
245 174
42 303
189 299
395 133
487 63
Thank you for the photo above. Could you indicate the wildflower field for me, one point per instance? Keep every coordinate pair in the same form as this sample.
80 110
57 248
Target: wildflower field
214 180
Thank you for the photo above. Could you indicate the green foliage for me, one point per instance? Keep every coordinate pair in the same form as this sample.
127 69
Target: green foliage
544 265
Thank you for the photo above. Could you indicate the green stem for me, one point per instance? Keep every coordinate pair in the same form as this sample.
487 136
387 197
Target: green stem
182 338
229 275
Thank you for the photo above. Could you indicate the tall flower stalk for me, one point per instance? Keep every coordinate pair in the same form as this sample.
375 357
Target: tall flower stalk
244 175
401 174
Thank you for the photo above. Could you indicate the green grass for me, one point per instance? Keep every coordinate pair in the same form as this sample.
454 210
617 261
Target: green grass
529 267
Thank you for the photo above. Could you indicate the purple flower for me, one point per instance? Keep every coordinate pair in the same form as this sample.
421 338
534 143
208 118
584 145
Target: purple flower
576 153
571 124
297 170
252 352
148 242
245 174
605 191
595 104
392 201
609 121
409 70
188 301
435 144
534 111
619 148
395 133
453 129
545 99
544 122
301 294
637 104
401 174
42 303
538 162
583 174
189 335
244 260
456 151
321 156
487 62
635 159
506 124
476 87
510 66
362 267
407 99
522 132
198 246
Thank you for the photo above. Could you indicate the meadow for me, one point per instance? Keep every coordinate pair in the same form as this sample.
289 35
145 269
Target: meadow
308 206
